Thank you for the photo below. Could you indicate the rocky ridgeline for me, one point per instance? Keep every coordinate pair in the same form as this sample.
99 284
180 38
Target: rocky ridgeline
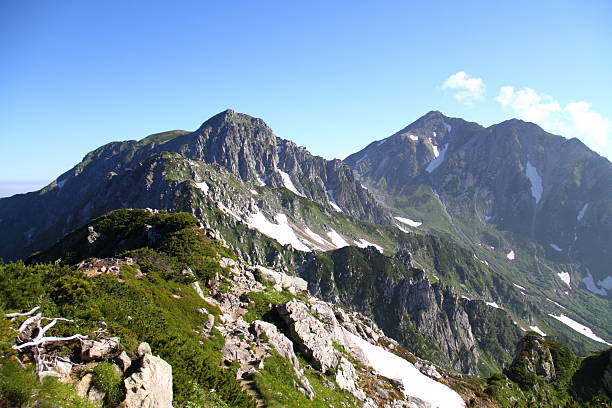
316 330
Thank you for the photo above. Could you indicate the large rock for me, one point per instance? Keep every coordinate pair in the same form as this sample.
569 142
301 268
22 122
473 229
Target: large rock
346 377
150 386
284 347
309 335
99 350
282 279
532 356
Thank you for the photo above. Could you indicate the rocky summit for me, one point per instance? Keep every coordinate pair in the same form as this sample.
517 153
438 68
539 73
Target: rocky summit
446 265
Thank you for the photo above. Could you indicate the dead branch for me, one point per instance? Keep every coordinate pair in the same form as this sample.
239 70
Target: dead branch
14 315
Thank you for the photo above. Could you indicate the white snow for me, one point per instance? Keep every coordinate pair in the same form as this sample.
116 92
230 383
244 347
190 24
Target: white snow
519 286
448 127
582 329
408 221
493 304
606 283
336 239
511 255
589 282
413 137
364 187
281 231
557 304
362 243
288 183
488 218
436 152
582 211
537 330
261 181
316 237
402 228
556 247
254 192
438 159
203 186
415 383
381 142
535 180
332 202
565 277
227 211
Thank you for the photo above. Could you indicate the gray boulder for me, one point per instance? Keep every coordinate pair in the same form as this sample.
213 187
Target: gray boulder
151 385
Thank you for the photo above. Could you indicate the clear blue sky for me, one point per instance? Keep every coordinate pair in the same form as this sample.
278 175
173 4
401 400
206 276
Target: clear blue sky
331 76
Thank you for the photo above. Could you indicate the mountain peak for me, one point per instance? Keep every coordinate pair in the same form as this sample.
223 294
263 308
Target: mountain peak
230 116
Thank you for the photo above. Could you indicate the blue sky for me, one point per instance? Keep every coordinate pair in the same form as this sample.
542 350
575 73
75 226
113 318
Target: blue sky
331 76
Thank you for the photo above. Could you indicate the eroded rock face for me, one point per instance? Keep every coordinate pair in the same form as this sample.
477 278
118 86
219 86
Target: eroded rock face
533 356
309 335
151 385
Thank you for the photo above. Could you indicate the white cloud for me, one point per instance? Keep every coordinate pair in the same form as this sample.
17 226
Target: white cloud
467 89
575 119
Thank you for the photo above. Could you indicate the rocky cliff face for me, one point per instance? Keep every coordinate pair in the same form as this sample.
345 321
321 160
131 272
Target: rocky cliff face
513 176
430 319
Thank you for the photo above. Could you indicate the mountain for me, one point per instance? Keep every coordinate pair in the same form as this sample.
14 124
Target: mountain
454 287
166 315
553 195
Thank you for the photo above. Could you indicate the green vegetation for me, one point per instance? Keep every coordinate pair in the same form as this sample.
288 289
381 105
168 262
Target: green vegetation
275 383
107 379
19 387
161 308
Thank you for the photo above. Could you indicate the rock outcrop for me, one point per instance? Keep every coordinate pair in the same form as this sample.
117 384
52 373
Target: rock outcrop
150 386
532 356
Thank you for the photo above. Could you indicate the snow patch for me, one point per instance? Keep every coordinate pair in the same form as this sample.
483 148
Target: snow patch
557 304
487 218
281 231
415 383
362 243
582 211
288 183
402 228
511 255
580 328
448 127
535 180
519 286
227 211
364 187
537 330
336 239
254 192
413 137
332 202
589 282
493 304
261 181
316 237
382 142
565 277
556 247
606 283
408 221
437 161
203 186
